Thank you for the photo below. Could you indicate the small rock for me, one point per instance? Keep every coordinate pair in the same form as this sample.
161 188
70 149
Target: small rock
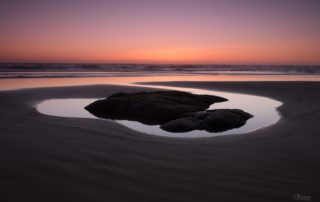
218 120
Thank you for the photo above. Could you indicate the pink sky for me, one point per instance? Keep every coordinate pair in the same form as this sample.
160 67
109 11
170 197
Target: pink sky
167 31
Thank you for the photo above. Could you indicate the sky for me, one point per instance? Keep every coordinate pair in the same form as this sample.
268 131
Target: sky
161 31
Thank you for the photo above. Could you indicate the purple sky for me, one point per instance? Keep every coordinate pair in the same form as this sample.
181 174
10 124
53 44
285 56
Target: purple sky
166 31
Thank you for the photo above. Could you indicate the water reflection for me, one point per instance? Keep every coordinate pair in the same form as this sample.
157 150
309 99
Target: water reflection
21 83
263 109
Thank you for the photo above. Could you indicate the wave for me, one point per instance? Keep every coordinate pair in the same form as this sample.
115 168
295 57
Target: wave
33 70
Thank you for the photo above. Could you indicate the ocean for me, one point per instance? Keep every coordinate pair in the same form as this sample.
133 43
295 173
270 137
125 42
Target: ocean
40 70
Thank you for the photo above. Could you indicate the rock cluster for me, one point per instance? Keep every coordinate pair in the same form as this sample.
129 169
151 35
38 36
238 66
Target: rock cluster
175 111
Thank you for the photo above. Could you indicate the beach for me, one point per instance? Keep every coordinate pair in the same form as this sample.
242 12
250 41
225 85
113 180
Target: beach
46 158
159 101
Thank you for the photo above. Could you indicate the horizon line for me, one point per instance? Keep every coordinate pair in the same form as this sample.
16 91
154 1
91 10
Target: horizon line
155 63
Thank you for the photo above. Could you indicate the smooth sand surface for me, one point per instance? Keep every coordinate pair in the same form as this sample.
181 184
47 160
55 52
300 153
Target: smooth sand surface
45 158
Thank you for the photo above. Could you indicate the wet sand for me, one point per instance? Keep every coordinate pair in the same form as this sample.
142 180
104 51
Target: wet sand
48 158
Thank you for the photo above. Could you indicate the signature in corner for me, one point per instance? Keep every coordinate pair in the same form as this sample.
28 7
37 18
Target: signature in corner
300 197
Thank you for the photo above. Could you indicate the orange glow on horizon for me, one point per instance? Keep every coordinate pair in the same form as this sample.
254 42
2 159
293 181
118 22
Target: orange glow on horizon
244 54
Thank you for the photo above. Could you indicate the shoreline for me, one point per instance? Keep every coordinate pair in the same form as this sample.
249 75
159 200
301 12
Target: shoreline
28 83
69 159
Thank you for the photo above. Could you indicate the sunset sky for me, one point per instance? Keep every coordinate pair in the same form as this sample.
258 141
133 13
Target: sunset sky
161 31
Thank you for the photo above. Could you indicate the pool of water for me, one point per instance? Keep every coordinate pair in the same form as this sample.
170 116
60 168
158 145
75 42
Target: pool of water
263 109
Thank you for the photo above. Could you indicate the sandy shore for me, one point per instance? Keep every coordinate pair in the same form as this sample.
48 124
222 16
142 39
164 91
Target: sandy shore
46 158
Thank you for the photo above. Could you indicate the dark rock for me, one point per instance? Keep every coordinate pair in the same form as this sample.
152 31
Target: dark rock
185 124
218 120
225 119
151 107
